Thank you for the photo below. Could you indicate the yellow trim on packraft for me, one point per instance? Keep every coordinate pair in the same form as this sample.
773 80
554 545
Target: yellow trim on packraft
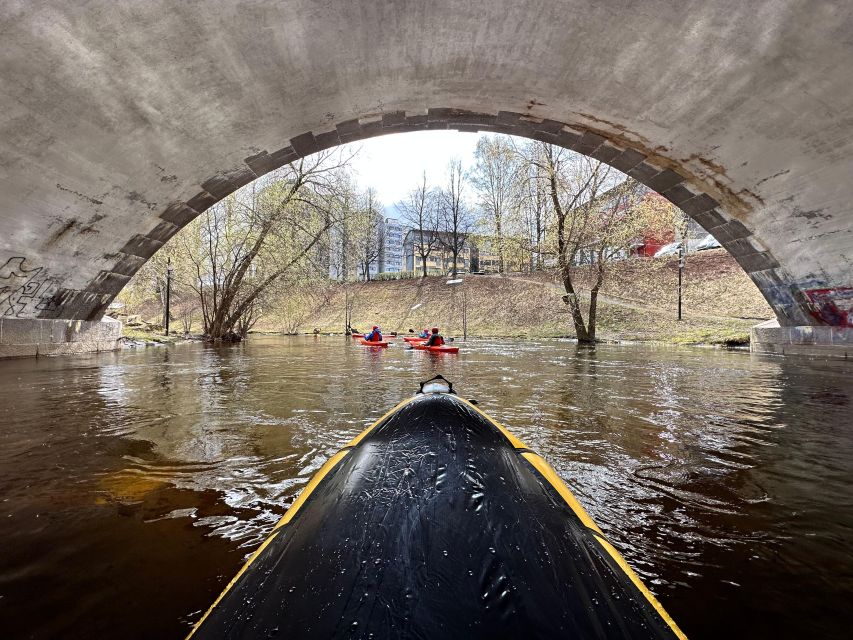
330 464
233 581
553 478
639 584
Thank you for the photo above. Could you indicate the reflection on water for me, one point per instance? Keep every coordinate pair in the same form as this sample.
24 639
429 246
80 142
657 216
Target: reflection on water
133 485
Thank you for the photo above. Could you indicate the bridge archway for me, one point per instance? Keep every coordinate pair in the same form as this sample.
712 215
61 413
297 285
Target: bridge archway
122 121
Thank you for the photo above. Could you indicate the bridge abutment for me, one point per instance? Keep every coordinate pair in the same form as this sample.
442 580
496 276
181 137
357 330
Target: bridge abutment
814 341
26 337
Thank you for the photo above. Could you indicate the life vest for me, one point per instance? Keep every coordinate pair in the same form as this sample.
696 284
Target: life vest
374 336
435 341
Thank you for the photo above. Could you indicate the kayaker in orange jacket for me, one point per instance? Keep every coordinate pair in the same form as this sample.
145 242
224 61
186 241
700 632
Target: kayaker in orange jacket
435 340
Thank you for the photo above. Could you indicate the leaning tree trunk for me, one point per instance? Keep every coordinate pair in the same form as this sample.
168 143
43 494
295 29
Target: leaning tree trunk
593 295
571 299
593 306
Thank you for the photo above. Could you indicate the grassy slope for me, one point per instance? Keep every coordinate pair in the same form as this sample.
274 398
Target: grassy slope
720 304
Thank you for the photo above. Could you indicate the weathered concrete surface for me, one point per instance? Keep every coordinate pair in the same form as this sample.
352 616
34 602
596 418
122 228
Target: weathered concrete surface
24 337
813 341
121 120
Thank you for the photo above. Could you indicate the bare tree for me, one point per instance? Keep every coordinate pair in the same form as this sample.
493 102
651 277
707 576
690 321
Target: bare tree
367 229
598 216
454 215
497 178
256 236
420 211
536 213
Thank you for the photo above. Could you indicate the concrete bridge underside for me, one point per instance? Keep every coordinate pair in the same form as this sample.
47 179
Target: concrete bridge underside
120 121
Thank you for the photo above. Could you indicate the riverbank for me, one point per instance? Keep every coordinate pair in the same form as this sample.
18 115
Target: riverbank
637 303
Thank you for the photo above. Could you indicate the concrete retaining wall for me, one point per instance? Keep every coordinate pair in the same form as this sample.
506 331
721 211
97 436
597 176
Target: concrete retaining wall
24 337
821 342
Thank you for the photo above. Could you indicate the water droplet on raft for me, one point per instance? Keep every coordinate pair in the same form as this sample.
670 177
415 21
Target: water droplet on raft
445 553
491 549
354 624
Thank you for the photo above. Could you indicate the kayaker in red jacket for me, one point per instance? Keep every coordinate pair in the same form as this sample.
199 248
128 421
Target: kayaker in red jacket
374 336
435 340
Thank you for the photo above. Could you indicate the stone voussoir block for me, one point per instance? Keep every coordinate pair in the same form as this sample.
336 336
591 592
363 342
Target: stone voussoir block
202 201
606 152
179 214
757 261
227 182
678 194
627 160
699 204
665 180
644 172
709 220
741 246
731 231
141 246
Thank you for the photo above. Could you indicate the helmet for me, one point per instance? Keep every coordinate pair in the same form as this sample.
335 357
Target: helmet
375 327
435 329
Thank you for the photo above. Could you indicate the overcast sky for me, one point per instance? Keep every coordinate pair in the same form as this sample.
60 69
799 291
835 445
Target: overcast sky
393 164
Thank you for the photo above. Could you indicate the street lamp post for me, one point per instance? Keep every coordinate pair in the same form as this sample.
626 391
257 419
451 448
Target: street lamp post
680 269
460 281
168 292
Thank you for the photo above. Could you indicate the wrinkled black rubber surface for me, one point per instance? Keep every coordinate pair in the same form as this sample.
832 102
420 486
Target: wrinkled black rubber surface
434 526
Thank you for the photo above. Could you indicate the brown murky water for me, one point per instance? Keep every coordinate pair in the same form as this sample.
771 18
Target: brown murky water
134 484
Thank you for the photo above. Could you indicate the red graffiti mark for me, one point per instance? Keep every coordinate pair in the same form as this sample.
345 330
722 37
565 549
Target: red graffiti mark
832 306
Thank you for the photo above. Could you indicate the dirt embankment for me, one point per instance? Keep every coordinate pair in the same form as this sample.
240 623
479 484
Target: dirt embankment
637 302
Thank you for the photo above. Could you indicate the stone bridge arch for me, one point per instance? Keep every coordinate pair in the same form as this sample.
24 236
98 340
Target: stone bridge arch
121 121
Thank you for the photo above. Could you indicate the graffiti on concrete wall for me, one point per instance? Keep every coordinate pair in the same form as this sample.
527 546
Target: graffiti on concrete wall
832 306
24 291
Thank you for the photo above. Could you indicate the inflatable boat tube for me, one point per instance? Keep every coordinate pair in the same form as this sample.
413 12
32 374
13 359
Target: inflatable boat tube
442 349
380 343
436 522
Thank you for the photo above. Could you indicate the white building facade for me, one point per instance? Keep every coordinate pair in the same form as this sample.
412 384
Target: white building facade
391 252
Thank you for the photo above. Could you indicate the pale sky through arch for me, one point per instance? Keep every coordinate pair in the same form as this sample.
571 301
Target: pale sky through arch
393 164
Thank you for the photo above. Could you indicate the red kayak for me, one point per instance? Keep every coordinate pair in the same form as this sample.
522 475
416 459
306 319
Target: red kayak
383 343
414 339
442 349
356 336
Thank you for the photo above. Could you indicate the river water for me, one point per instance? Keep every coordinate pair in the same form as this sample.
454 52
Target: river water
134 484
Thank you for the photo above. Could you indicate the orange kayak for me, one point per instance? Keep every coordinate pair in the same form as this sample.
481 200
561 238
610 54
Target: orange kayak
414 339
442 349
383 343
